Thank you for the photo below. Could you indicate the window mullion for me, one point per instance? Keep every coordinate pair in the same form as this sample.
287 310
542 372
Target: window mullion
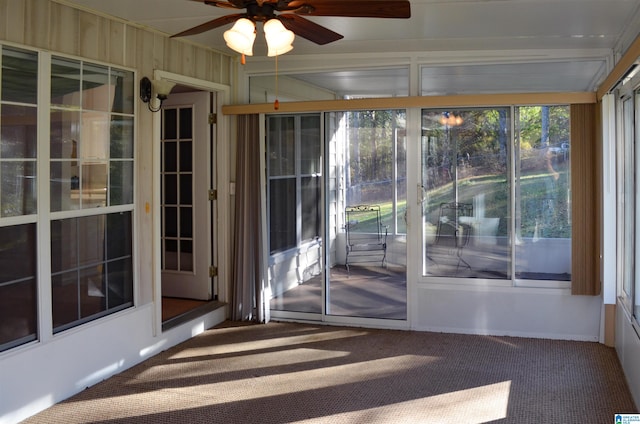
45 321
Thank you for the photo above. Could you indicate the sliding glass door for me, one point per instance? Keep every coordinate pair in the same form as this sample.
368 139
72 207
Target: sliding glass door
336 214
367 212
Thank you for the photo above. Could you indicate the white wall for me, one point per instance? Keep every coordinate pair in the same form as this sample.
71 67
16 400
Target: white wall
508 311
35 377
628 349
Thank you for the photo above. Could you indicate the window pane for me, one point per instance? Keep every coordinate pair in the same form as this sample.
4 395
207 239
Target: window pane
170 124
466 204
93 183
19 76
65 186
94 139
64 245
18 132
18 273
121 137
91 240
65 134
282 214
543 193
186 222
91 265
123 82
18 188
65 305
186 255
186 123
119 235
170 156
281 146
65 82
186 195
92 292
310 207
170 189
18 313
170 222
186 156
121 183
119 283
97 92
310 145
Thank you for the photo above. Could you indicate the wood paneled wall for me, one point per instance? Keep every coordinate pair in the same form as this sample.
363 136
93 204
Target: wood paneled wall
55 26
61 28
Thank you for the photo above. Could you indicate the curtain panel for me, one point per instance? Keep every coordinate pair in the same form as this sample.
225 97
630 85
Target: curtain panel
247 255
585 191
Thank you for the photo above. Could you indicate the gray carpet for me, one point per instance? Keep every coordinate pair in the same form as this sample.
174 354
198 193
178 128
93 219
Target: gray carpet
286 373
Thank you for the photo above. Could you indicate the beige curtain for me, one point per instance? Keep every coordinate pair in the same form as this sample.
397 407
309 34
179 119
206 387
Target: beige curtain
585 192
246 295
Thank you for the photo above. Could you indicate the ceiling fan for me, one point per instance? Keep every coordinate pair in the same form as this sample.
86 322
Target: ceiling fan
291 14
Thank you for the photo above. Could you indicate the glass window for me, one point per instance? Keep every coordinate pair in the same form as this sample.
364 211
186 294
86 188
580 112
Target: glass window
91 162
467 165
18 285
92 267
294 152
467 202
91 136
18 133
543 193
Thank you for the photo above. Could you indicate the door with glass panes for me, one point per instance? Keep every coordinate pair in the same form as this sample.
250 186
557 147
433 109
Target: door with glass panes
186 209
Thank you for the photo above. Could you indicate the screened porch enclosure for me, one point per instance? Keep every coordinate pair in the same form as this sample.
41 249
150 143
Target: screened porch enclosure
363 159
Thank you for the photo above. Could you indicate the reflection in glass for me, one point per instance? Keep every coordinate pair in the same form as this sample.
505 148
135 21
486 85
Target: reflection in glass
95 135
294 212
97 92
93 185
466 199
371 145
17 188
310 148
91 267
19 76
120 283
64 186
18 285
123 82
18 131
543 193
65 82
281 146
282 214
121 137
64 134
120 180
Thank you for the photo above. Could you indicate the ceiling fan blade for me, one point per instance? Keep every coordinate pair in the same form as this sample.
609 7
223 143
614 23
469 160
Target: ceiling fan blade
353 8
218 22
230 4
309 30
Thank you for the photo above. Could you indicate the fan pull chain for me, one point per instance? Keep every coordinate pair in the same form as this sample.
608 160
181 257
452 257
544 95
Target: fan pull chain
276 103
243 60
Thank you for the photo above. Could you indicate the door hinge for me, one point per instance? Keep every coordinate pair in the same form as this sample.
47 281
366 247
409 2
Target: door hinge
213 118
213 194
213 271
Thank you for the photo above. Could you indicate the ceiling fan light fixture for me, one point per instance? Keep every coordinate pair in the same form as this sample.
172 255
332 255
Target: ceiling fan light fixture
279 39
241 36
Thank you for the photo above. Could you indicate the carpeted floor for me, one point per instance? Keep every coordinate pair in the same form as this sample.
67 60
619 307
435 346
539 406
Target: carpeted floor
302 373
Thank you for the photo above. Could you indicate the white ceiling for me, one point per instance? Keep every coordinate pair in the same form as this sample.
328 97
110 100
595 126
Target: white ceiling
456 46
